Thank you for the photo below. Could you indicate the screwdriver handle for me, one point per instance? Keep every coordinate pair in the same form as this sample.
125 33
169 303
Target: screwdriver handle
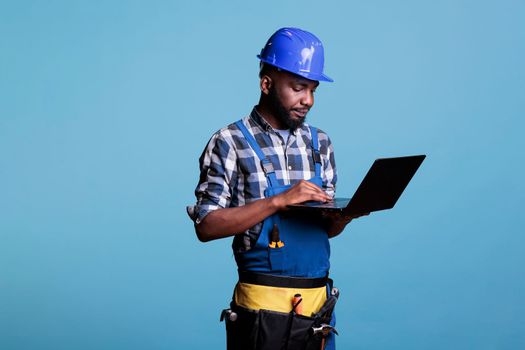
275 236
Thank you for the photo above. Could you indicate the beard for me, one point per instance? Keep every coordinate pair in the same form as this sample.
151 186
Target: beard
282 113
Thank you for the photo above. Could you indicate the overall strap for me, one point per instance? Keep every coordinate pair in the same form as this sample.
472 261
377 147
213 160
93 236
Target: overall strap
315 151
266 164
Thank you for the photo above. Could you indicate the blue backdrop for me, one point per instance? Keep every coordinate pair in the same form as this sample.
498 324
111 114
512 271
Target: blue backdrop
105 107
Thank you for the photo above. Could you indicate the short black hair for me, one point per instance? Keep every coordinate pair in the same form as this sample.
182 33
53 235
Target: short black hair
265 69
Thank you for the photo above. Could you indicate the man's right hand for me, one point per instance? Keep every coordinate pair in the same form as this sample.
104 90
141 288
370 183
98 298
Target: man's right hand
302 191
226 222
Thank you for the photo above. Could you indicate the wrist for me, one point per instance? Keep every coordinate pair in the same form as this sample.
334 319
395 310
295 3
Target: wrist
277 203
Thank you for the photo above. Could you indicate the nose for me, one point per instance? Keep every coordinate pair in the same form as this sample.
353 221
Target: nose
308 99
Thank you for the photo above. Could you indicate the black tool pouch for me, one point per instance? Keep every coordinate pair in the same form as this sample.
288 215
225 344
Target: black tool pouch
271 330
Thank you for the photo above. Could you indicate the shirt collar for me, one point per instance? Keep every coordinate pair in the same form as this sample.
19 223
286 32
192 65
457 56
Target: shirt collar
259 119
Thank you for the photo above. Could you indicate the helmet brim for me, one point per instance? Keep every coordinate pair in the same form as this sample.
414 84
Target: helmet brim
307 75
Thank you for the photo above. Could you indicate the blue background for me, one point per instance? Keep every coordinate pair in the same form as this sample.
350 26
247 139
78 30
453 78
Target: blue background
105 107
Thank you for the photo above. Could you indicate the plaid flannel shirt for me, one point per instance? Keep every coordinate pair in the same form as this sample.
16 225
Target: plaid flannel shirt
231 173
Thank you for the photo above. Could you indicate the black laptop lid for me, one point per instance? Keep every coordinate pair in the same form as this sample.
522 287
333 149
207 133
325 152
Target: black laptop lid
380 189
383 184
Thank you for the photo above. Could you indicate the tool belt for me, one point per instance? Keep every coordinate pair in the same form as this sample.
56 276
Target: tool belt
262 329
282 281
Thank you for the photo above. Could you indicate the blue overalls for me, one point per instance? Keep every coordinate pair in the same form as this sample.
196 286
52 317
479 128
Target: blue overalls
306 250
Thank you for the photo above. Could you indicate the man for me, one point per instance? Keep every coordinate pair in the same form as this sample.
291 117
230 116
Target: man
251 171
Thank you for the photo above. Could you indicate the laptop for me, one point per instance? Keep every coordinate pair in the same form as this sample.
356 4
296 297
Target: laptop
380 189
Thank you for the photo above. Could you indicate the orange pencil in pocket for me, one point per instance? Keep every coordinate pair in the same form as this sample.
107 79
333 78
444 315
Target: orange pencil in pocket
296 304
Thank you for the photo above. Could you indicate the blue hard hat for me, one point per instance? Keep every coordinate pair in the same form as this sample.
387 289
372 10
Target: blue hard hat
296 51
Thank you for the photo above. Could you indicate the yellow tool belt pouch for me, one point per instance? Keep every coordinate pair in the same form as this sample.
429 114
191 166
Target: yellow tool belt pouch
256 297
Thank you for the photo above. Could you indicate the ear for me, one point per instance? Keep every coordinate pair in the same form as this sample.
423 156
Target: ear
266 84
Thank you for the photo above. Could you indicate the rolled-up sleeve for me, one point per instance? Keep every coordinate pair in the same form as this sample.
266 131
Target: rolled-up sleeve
218 169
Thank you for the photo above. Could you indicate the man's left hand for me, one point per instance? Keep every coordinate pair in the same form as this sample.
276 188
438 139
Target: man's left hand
337 221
